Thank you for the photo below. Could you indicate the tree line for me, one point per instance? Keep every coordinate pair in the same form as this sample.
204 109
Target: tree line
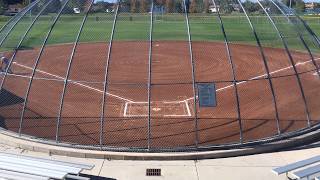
165 6
5 3
203 6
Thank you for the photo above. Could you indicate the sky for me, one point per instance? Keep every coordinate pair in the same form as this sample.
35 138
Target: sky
318 1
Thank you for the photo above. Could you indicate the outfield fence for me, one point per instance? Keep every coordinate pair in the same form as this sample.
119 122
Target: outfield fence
201 18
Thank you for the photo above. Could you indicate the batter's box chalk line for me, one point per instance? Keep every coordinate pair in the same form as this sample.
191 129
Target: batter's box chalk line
158 108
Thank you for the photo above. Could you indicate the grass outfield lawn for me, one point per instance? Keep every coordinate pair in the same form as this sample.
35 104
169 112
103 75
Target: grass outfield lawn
203 28
315 27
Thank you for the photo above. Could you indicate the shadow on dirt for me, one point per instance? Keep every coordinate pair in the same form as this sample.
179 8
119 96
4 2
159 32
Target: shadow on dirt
7 98
3 123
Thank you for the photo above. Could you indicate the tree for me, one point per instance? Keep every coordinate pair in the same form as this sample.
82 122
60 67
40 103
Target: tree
251 6
160 2
225 6
133 6
143 6
206 6
9 2
177 6
286 2
299 6
54 7
169 6
193 6
25 3
77 4
3 6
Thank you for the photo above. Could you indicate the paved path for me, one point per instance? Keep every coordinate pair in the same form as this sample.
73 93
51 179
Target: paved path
255 167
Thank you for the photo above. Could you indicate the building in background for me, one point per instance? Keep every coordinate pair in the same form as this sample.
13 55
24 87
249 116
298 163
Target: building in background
312 8
311 5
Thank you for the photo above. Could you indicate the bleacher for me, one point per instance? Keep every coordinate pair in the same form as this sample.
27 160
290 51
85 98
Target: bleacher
307 168
17 167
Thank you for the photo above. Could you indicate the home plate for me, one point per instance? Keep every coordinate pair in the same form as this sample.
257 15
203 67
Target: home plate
156 109
157 45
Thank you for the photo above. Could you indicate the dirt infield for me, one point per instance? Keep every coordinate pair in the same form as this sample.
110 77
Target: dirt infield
172 109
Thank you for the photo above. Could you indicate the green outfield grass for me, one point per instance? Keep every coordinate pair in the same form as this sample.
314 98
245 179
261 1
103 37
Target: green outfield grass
166 27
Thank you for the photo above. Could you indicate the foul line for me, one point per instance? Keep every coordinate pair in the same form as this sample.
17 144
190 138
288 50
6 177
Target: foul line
183 101
260 76
79 84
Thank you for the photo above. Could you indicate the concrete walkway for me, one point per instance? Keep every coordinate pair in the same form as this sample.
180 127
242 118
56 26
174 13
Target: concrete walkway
254 167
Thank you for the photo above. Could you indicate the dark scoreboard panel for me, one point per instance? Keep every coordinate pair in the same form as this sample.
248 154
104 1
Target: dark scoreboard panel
207 95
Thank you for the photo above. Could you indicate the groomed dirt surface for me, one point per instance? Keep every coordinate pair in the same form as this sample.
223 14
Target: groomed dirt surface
172 122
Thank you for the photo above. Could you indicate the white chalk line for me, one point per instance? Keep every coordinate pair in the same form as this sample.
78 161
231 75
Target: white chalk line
188 108
177 115
260 76
79 84
185 106
125 109
177 102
